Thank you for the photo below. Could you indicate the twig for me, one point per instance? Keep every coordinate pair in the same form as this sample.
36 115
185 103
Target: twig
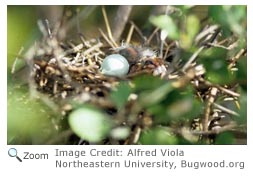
233 45
207 31
168 49
152 35
225 109
42 28
15 62
49 32
106 39
134 137
138 31
106 22
223 41
67 52
209 103
93 48
217 46
108 28
237 57
130 33
193 57
225 90
120 20
228 127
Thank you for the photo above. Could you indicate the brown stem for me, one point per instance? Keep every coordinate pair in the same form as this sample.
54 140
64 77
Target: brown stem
209 103
237 57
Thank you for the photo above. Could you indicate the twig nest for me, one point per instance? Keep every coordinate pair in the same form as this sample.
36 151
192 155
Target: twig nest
115 65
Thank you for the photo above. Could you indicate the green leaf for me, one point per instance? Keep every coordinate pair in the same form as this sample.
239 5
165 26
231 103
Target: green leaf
146 82
226 138
231 18
218 73
216 66
177 105
159 113
167 24
90 124
120 133
29 120
155 96
242 119
120 95
241 74
21 32
186 107
158 136
192 26
151 89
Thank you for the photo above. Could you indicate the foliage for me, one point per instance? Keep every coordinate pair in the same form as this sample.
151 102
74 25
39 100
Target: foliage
231 18
158 136
28 118
120 95
90 124
167 24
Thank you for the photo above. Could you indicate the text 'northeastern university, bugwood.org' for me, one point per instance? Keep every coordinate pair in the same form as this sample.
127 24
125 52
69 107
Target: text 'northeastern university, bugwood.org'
133 158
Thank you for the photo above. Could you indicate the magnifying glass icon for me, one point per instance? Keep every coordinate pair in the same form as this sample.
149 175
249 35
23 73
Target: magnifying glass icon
14 153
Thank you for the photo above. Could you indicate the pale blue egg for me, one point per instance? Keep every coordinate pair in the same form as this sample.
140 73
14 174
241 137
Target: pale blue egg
115 65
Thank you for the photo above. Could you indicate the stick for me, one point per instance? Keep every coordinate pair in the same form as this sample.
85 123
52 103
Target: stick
108 28
130 33
69 51
152 35
209 30
237 57
226 109
15 62
215 131
209 103
93 48
120 20
225 90
138 31
193 57
106 39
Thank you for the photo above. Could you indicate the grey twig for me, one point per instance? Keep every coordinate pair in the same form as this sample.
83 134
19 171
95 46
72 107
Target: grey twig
225 109
120 21
205 32
193 57
222 89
